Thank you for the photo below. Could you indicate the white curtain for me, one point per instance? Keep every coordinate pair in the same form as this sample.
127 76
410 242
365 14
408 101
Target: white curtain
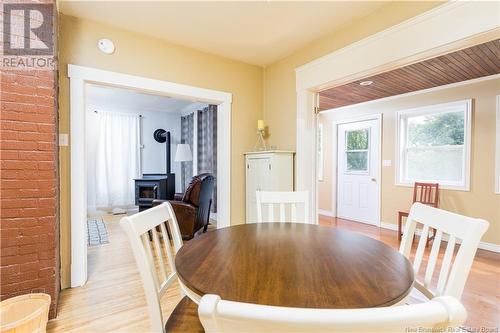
113 142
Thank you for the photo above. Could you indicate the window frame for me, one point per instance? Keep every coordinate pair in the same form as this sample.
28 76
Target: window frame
401 123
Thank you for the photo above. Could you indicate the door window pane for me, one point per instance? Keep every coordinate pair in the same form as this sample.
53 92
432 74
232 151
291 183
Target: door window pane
356 154
357 161
357 140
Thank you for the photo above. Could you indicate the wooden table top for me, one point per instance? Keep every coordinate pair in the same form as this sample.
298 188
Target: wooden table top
292 264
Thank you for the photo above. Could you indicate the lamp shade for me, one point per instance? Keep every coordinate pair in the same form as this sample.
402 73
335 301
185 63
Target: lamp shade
183 153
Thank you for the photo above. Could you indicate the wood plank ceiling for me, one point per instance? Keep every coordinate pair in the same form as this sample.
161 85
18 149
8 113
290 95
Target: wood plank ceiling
466 64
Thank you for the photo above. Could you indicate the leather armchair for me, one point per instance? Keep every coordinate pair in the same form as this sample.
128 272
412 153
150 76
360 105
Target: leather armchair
192 208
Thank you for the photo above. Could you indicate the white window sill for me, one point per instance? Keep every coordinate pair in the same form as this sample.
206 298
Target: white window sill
441 187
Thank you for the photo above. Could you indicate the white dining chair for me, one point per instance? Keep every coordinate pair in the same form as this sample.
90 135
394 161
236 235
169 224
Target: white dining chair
293 206
150 242
218 315
462 231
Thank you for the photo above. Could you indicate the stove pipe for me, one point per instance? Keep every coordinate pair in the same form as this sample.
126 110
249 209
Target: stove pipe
160 135
168 152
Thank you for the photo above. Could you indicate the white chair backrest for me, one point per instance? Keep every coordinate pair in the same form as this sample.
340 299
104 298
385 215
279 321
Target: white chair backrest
157 268
455 229
277 203
217 315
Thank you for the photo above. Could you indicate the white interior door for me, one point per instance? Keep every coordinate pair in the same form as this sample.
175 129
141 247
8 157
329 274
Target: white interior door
358 171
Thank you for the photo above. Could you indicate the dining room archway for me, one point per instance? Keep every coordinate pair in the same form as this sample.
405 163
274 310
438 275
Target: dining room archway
387 50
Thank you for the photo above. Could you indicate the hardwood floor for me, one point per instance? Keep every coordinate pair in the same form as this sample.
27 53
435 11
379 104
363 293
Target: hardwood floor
113 299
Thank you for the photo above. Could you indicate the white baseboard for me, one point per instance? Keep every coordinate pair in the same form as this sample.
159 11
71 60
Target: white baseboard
482 245
489 247
325 213
390 226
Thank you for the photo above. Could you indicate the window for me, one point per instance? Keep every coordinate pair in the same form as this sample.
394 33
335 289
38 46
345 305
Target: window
357 150
434 145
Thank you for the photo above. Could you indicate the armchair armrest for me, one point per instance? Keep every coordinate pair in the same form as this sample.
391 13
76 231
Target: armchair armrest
186 217
185 214
157 202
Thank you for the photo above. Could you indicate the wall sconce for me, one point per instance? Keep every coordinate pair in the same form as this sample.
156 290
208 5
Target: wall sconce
261 143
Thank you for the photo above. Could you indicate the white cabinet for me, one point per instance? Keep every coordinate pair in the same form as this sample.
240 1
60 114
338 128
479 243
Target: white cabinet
266 171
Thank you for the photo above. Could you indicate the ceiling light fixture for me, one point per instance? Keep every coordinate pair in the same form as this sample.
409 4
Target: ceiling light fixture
365 83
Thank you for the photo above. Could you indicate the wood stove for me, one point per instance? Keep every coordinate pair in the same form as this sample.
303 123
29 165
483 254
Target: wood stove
154 186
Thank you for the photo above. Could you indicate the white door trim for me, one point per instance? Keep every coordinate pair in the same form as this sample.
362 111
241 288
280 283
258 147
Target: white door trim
497 142
335 124
79 77
395 47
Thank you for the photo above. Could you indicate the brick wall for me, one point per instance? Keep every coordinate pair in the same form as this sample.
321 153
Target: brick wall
29 254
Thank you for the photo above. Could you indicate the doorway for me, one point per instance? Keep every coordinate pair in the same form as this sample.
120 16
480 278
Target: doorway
80 78
358 171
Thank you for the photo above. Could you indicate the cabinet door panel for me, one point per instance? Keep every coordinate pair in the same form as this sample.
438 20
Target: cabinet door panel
266 182
253 182
253 177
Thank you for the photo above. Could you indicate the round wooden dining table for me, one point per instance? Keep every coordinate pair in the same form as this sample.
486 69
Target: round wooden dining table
296 265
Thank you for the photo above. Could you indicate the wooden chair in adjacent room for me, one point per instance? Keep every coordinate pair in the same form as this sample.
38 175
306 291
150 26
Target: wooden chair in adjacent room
425 193
155 259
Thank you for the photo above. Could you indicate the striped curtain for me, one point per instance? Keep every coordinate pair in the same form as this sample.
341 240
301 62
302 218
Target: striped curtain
207 145
187 134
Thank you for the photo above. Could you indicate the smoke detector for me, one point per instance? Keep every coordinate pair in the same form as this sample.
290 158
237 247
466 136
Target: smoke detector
106 46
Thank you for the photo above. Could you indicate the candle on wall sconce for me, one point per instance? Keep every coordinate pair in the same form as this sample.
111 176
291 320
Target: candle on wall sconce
260 125
261 143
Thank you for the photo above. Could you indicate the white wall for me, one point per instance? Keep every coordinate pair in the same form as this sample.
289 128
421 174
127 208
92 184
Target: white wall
153 153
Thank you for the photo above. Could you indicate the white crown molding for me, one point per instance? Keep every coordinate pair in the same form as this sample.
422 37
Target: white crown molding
98 106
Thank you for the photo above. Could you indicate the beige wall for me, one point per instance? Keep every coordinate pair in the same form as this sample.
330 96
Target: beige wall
279 78
481 201
141 55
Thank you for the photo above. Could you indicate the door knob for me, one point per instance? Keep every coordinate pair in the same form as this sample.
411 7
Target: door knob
373 179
